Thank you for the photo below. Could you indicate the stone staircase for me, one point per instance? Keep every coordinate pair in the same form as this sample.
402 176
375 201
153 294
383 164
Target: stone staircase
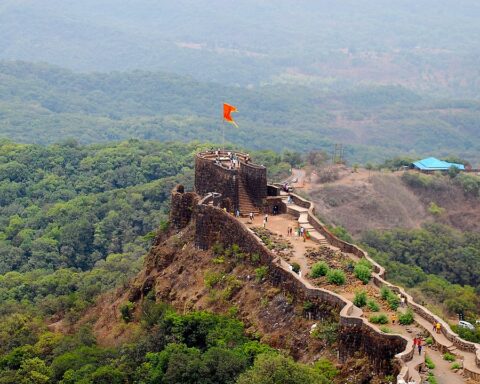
245 203
302 214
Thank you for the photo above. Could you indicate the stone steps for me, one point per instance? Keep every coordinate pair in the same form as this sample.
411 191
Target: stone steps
245 203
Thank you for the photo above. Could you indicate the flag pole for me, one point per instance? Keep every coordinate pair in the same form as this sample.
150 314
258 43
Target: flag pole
223 134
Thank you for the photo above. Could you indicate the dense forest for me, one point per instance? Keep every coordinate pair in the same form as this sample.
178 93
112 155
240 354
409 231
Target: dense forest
198 347
42 104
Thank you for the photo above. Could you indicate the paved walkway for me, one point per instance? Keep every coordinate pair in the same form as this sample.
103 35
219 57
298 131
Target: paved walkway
299 216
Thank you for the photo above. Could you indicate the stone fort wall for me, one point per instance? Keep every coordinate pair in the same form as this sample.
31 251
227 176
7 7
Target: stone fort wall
213 225
211 177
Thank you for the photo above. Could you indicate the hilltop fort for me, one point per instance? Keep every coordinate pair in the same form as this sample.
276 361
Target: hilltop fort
227 182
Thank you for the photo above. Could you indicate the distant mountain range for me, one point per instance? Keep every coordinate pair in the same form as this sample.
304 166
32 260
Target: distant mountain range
429 46
45 104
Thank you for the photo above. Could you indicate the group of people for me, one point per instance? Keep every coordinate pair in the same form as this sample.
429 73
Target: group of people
300 232
232 157
418 343
437 327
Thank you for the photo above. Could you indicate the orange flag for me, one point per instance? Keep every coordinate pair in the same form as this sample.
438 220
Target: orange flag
227 110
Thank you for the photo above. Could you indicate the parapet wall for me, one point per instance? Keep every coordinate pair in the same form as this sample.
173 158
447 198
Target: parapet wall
379 280
214 225
182 207
210 177
254 178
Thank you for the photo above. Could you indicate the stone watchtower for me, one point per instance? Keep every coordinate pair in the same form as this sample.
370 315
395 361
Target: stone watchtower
243 185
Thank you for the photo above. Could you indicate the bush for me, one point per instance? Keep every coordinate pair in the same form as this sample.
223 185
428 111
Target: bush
336 276
308 306
319 269
373 306
406 318
261 272
328 332
449 357
385 293
126 311
379 319
211 278
429 363
393 302
360 299
296 267
456 366
385 329
362 272
431 379
392 299
429 340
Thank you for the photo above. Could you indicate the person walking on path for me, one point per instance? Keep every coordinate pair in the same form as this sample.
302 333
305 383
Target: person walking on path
265 222
393 318
250 216
237 213
420 345
266 218
438 327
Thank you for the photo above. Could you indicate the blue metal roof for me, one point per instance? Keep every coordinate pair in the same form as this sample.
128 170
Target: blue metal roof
433 164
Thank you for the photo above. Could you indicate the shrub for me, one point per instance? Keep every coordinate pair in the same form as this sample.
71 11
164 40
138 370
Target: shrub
212 278
328 332
429 340
326 368
336 276
456 366
435 210
385 329
296 267
449 357
308 306
385 293
126 311
362 272
406 318
393 302
261 272
379 319
373 306
429 363
319 269
360 299
431 379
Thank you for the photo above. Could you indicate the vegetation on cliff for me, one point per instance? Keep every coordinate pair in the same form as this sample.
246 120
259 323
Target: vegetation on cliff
198 347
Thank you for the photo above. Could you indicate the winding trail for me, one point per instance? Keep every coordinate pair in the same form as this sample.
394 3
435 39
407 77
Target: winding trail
297 215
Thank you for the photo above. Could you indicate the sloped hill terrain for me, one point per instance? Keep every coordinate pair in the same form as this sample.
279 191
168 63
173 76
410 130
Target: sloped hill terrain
367 200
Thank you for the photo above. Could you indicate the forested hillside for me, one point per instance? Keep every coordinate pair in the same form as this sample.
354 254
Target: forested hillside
429 45
43 104
76 221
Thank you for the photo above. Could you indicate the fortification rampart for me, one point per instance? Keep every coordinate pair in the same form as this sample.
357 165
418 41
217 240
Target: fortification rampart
211 177
215 172
214 225
379 280
254 178
182 207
